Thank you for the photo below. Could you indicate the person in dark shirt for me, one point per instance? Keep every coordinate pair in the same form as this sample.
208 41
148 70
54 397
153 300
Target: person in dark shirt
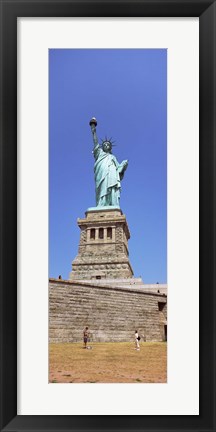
85 336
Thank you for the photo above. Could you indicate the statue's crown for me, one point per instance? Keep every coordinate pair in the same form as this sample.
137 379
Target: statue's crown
108 140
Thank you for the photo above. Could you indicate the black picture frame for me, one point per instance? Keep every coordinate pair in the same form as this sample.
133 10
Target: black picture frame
10 11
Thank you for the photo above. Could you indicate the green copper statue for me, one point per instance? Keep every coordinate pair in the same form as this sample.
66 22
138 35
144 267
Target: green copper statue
108 172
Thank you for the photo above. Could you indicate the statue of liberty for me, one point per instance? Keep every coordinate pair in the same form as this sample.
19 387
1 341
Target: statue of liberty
108 172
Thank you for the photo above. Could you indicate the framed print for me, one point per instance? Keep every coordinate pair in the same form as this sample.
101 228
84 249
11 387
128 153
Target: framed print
69 332
26 26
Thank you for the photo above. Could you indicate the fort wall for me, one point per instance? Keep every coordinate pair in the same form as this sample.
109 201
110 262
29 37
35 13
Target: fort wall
112 313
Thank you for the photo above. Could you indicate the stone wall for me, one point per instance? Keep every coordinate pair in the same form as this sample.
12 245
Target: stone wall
111 313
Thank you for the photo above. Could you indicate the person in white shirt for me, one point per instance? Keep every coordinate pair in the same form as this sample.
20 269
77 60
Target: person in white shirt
137 338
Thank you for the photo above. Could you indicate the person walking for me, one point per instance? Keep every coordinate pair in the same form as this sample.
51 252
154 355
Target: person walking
137 339
85 336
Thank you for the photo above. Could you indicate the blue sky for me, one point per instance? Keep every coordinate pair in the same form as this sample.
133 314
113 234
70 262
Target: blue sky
126 90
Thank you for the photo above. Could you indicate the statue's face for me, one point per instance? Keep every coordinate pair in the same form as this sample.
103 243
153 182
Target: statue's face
107 146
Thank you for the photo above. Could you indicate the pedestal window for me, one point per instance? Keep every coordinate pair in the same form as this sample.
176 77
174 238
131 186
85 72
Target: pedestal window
109 233
92 234
101 233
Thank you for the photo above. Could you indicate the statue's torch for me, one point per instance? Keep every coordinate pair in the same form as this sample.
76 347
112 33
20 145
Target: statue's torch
93 124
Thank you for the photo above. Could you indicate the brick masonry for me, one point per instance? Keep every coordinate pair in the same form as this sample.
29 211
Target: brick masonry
112 313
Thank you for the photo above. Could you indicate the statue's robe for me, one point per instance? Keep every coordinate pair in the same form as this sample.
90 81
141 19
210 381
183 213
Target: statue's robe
108 173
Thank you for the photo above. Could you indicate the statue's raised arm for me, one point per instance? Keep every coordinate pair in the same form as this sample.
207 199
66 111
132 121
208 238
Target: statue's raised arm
93 124
108 172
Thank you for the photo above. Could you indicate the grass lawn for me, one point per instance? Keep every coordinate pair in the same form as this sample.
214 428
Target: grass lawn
108 363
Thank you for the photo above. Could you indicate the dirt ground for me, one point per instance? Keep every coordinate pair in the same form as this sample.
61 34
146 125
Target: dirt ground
108 363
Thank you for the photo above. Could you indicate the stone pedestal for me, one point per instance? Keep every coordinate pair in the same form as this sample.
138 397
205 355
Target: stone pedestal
103 248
